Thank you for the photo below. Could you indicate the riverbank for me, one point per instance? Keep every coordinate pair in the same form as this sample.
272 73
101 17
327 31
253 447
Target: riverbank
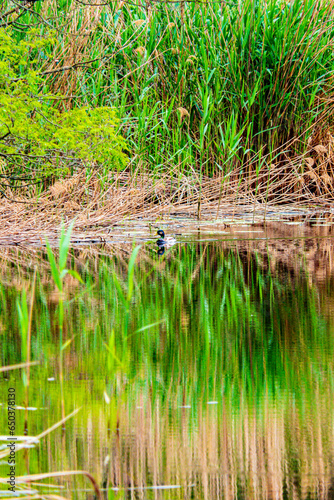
98 204
182 114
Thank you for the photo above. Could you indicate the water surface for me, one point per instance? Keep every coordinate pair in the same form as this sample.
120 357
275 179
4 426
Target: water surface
207 373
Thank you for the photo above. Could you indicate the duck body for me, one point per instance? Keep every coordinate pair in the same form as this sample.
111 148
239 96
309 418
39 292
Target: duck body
165 241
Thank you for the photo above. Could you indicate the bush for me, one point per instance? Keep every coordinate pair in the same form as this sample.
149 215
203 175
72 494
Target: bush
35 138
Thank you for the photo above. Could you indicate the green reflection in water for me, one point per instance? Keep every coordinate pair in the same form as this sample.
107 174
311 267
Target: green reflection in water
217 371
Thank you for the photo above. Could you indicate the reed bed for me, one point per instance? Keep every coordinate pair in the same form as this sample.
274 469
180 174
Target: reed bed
219 104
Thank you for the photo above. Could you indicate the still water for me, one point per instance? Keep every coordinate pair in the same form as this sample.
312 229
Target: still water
202 373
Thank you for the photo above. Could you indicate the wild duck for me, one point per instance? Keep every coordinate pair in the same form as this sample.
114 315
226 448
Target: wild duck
165 242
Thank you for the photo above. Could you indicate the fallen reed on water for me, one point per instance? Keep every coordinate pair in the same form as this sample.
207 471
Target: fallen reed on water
96 205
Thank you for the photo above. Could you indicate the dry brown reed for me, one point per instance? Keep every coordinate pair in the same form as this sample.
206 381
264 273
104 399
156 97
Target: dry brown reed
19 365
98 203
73 53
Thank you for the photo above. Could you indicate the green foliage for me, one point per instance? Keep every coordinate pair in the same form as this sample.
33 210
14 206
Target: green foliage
248 75
91 135
30 124
219 88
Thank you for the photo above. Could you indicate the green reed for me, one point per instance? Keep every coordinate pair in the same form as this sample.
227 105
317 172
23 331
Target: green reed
25 322
59 271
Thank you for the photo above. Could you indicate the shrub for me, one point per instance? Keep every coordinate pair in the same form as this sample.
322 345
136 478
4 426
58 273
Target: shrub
36 139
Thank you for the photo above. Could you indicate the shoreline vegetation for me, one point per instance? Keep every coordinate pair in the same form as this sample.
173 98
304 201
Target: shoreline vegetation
118 109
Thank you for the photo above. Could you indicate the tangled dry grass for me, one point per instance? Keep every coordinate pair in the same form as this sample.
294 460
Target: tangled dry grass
100 202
